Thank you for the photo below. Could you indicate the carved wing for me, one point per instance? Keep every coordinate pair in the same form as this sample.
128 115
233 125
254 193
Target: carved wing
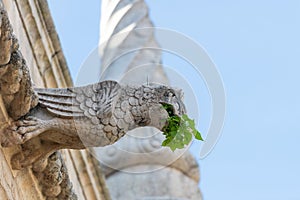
93 101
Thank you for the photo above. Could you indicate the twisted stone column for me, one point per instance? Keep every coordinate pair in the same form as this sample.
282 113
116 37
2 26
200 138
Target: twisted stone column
127 42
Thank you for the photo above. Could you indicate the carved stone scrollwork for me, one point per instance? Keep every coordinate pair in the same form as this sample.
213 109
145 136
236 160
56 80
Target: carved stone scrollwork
15 82
53 178
5 38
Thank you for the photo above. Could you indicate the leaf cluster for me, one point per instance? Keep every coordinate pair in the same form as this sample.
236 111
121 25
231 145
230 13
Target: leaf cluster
179 131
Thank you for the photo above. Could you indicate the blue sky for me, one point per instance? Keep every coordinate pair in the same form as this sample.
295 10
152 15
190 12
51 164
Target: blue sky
256 47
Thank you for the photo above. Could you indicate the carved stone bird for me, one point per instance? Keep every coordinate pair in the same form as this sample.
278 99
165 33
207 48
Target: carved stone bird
45 120
91 116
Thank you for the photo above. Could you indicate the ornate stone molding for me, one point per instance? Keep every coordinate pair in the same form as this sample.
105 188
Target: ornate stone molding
15 82
36 29
16 86
54 178
90 174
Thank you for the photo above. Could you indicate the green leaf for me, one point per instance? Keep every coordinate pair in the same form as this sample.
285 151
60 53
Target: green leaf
198 136
179 130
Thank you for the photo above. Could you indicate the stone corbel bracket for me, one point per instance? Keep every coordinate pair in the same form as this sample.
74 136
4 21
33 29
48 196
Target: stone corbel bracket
16 91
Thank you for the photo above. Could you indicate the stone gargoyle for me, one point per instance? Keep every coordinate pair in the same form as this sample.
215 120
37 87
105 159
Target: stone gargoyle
71 118
91 116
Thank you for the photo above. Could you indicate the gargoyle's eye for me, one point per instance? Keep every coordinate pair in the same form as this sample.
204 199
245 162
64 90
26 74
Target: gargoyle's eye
171 94
166 94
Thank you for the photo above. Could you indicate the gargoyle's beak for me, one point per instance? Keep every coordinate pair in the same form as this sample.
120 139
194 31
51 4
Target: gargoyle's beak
178 108
181 110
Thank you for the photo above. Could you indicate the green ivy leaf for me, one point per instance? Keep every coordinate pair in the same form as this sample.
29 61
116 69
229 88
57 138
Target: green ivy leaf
179 131
191 124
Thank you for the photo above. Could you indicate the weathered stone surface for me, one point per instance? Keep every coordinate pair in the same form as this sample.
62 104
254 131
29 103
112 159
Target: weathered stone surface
46 52
3 194
15 82
54 179
166 183
5 38
4 120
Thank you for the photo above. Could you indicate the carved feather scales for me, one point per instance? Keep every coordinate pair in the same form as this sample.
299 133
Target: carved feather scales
94 101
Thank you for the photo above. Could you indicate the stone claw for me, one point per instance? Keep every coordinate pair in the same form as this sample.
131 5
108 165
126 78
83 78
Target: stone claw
28 121
21 131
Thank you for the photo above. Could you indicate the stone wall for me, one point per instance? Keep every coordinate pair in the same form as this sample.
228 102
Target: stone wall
40 46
